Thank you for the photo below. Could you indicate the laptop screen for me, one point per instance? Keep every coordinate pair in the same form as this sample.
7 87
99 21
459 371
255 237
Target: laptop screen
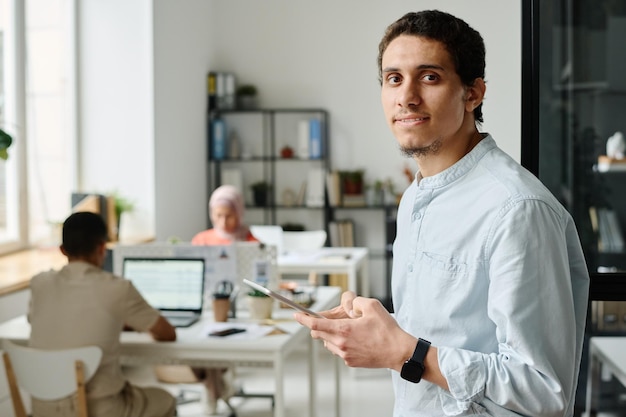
168 283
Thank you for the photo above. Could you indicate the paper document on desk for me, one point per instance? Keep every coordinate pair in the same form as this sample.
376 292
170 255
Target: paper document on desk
300 256
333 258
253 331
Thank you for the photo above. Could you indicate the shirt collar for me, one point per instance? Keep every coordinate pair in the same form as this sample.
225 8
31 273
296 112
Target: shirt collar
460 168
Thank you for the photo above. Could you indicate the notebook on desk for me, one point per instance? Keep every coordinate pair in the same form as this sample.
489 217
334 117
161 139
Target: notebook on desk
175 286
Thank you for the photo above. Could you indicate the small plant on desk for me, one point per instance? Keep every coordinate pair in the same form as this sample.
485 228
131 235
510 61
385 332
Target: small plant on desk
257 293
259 305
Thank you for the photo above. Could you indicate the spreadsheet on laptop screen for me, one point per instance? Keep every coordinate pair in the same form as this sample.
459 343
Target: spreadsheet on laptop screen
168 284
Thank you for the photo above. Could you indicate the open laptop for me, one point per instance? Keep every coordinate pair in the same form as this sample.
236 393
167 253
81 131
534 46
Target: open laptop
175 286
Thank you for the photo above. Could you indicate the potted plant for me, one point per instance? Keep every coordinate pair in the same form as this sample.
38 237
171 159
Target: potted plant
122 204
352 181
5 141
247 97
261 193
259 305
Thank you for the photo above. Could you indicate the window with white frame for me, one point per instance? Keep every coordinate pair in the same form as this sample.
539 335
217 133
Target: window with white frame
37 105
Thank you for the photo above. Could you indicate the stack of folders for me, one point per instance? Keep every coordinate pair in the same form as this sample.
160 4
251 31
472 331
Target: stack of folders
341 235
310 141
606 224
315 187
336 196
221 90
333 188
609 315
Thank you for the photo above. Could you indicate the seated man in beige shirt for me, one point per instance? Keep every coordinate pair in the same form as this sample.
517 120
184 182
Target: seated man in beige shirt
80 305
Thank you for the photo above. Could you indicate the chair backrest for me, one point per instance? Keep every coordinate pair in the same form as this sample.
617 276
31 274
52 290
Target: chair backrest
269 235
304 241
49 374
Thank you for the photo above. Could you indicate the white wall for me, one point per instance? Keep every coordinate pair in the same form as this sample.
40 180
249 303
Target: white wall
144 65
182 44
116 109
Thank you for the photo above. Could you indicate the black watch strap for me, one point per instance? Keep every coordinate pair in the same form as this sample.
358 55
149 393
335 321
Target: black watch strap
413 369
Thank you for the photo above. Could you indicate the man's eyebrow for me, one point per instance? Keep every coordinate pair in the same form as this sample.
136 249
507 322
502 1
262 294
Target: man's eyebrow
419 67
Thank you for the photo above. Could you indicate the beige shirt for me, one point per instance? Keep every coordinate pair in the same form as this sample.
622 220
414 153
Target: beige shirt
82 305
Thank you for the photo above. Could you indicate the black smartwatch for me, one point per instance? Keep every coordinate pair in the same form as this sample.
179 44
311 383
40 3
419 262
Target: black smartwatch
413 369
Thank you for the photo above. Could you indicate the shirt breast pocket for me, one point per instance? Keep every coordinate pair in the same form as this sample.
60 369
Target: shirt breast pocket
443 273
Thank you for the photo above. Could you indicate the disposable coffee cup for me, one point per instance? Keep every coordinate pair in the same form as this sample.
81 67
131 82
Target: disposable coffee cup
221 307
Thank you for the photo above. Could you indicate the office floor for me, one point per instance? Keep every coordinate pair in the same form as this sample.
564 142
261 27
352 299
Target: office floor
366 394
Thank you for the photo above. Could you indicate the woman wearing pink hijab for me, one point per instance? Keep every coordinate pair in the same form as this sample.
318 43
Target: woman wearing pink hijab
226 207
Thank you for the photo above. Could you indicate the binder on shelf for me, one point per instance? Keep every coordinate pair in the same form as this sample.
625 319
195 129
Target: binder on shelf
333 188
230 99
221 90
609 315
617 239
593 219
301 195
218 138
303 139
212 90
341 233
338 280
315 187
347 233
315 139
333 233
610 238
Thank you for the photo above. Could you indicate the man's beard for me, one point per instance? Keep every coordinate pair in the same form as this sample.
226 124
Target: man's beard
432 149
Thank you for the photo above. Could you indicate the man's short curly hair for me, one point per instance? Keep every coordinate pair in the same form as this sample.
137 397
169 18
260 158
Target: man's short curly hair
83 232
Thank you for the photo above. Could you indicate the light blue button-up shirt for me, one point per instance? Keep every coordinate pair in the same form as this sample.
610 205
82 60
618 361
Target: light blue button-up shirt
489 268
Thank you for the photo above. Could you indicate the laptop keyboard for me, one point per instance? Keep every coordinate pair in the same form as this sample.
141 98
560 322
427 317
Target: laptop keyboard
179 321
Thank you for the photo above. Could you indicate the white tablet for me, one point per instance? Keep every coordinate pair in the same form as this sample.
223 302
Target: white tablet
282 299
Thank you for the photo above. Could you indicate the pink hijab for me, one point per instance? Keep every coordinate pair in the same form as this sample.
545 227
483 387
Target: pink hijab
227 195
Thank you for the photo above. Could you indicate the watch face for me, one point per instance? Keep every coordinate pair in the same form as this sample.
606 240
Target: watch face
412 371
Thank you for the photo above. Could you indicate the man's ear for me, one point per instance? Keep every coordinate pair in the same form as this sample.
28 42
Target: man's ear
102 248
63 250
475 94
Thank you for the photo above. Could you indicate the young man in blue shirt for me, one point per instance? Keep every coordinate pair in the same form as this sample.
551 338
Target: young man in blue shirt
489 281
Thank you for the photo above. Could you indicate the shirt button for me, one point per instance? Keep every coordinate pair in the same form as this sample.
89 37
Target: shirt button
417 216
410 267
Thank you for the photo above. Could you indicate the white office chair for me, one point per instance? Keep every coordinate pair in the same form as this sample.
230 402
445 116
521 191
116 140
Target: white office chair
49 374
269 235
304 241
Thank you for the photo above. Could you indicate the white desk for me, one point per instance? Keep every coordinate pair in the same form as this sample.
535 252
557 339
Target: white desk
192 348
608 353
350 261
